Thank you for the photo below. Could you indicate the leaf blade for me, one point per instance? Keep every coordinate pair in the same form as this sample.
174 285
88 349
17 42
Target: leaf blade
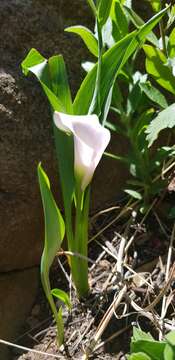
165 119
112 62
156 65
54 224
63 296
154 94
52 76
87 36
103 11
54 234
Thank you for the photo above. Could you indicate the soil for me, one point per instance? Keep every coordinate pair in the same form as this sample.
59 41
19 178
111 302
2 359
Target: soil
145 261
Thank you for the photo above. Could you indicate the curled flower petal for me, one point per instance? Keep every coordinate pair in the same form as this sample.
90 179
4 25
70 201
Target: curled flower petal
90 142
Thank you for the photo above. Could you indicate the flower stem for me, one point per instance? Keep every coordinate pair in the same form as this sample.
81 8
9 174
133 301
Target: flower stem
95 106
79 266
92 6
59 321
162 31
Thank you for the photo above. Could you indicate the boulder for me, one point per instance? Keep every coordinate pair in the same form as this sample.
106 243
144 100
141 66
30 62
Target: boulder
25 123
17 293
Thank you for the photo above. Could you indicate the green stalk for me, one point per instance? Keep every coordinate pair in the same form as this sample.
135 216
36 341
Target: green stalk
79 266
92 6
68 223
95 106
84 242
162 32
59 322
143 168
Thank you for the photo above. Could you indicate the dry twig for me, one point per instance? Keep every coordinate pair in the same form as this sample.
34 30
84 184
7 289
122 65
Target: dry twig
33 351
104 322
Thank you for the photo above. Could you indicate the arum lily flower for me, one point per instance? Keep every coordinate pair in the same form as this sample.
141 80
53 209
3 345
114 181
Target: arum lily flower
90 142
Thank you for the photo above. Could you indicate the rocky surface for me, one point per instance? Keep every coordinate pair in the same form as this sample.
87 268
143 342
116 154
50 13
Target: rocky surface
25 124
17 293
26 138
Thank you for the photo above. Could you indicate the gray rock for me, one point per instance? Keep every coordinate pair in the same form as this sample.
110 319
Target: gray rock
17 293
25 122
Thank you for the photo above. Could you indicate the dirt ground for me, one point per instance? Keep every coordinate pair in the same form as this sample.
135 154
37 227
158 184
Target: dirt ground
120 275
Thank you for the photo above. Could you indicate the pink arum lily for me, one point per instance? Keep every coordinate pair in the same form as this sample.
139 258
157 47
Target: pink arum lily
90 142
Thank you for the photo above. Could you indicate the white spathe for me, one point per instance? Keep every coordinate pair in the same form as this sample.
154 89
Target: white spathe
90 142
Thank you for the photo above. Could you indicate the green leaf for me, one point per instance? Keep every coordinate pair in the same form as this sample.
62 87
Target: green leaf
63 296
65 154
54 234
171 44
54 224
165 119
139 356
103 12
134 99
60 320
119 20
137 22
106 107
114 127
59 82
154 94
142 122
92 6
171 214
157 187
117 157
170 337
138 334
156 5
154 349
87 36
96 95
112 62
169 353
156 65
52 76
144 343
161 155
32 59
117 98
171 17
134 194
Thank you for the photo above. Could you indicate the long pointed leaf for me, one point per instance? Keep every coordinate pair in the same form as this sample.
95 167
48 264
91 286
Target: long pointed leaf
165 119
156 65
53 79
112 62
137 21
104 11
54 224
142 34
54 234
63 296
87 36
